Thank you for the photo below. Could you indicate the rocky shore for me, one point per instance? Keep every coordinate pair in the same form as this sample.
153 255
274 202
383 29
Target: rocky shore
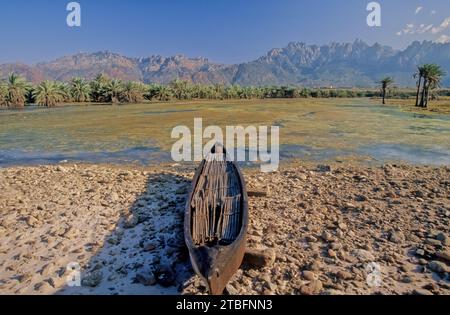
342 229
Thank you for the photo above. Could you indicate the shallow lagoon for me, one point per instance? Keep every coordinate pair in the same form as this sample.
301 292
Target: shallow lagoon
310 129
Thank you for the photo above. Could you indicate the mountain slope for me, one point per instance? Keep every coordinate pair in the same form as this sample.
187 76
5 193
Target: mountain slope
336 64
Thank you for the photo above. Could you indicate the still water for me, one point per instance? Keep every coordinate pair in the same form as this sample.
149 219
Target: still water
310 129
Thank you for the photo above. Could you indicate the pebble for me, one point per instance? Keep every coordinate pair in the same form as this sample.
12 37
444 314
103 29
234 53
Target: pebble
164 276
344 275
444 239
421 292
313 288
309 275
259 258
363 255
438 266
146 278
444 254
92 279
396 237
317 245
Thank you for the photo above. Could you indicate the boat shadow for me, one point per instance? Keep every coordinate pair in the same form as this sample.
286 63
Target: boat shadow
145 254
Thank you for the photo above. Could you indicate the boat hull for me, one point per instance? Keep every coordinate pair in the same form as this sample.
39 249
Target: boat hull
216 265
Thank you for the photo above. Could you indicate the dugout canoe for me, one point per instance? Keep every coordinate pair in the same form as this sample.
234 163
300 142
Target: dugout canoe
216 220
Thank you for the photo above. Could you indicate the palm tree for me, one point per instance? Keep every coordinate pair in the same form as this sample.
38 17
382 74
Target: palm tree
435 76
419 75
48 94
432 74
385 84
64 89
133 92
3 93
79 90
113 91
163 93
97 87
180 89
17 88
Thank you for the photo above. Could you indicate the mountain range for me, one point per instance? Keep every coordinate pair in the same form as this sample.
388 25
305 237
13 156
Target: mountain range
354 64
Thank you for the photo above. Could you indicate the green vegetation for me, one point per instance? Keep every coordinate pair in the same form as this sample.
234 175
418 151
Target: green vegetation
16 92
49 93
432 75
385 84
16 89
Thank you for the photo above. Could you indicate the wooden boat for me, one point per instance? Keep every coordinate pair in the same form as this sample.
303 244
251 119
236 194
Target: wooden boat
216 220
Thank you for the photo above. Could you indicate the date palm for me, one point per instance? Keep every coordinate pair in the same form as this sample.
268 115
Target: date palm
16 90
180 89
97 87
3 93
48 93
419 76
133 92
162 93
79 90
433 75
113 91
385 84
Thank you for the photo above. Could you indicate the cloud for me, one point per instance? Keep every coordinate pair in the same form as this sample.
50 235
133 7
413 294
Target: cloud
443 39
444 25
418 10
412 29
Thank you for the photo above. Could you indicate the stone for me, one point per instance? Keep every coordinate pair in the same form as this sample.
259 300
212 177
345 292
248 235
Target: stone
165 276
438 266
344 275
47 269
92 279
420 252
396 237
309 275
444 239
131 222
432 241
42 287
327 236
324 168
257 194
148 247
363 255
231 290
259 258
332 253
146 278
422 292
407 279
316 265
61 169
342 226
114 197
32 221
313 288
444 254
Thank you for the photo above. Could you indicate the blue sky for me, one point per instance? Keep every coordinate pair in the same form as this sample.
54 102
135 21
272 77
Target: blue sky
227 31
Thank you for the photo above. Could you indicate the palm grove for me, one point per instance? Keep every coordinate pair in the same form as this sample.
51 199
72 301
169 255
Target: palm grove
428 76
16 92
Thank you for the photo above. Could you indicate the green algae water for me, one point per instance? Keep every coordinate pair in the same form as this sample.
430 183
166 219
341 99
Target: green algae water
310 129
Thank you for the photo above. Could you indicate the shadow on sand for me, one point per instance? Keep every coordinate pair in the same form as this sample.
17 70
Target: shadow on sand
145 253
